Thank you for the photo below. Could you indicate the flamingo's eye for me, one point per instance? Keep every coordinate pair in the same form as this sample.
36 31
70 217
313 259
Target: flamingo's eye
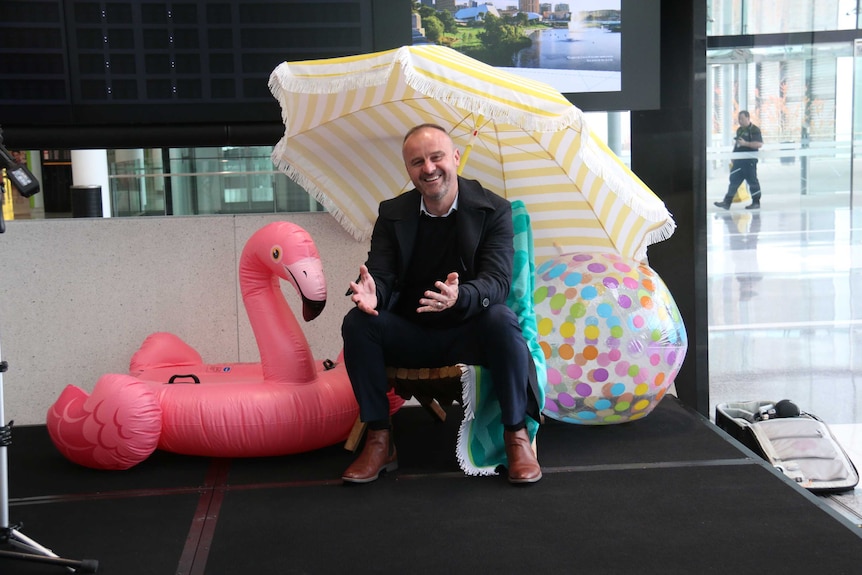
276 253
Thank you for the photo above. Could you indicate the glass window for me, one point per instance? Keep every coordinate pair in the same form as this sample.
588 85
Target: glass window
737 17
801 98
201 181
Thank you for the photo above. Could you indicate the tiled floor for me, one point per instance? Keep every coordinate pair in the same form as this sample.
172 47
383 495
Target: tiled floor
785 311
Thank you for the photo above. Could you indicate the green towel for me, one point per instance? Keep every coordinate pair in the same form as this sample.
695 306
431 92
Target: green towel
480 447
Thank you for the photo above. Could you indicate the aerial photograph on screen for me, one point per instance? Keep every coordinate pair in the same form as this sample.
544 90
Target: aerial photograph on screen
575 46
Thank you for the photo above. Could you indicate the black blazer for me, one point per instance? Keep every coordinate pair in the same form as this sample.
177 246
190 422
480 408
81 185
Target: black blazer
485 247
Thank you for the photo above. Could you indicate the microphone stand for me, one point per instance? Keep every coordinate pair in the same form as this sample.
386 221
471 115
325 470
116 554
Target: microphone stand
33 551
9 534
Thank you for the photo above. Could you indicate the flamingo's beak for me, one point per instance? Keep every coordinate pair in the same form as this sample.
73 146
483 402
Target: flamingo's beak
312 308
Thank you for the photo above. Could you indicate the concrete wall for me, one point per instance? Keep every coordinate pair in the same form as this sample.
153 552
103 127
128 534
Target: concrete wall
79 296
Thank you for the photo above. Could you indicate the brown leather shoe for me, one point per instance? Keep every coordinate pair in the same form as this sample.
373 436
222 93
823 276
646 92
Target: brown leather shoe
523 465
378 455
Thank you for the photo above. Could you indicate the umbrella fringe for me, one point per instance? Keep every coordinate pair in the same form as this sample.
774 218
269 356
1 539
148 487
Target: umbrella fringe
660 234
283 81
481 106
652 237
305 183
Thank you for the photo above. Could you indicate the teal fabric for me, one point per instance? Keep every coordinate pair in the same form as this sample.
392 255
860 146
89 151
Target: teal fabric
480 440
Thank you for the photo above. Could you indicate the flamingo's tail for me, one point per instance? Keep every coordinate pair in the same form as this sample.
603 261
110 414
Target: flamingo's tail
163 349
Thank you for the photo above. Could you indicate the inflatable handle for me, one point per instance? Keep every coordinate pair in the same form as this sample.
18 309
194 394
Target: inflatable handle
191 375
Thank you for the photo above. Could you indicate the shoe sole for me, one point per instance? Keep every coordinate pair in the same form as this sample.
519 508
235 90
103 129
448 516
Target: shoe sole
525 481
388 467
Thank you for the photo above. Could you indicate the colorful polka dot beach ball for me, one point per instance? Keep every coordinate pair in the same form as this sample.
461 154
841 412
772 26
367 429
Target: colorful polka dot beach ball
612 337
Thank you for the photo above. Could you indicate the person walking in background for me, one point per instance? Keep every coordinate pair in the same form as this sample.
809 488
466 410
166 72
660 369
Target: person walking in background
743 167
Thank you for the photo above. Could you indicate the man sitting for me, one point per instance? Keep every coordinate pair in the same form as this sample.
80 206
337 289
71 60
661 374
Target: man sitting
433 293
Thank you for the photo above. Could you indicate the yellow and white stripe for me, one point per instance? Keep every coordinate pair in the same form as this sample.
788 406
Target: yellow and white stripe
345 119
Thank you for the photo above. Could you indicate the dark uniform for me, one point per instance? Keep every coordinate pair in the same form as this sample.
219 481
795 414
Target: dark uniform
744 168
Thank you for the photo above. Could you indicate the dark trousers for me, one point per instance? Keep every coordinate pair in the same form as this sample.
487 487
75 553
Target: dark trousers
492 339
743 170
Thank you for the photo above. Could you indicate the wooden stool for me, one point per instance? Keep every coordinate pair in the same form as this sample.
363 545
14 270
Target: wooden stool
435 388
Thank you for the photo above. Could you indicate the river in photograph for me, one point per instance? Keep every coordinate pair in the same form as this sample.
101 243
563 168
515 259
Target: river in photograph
576 49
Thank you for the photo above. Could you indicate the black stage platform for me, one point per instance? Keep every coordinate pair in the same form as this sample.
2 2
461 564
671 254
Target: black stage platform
668 494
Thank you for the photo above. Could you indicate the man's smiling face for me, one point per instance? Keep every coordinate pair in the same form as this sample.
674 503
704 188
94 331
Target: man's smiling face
432 164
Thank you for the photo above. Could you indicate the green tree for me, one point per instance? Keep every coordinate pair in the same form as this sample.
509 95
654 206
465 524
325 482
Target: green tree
433 28
497 33
500 42
448 20
521 19
425 12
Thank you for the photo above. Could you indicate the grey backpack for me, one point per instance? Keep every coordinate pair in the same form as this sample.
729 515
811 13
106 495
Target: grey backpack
799 444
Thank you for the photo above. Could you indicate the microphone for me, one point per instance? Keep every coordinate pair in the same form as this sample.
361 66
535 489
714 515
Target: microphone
783 408
786 408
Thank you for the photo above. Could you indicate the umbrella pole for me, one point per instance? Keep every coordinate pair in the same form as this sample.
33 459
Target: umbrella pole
469 147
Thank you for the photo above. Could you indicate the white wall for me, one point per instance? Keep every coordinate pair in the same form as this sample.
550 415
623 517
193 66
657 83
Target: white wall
79 296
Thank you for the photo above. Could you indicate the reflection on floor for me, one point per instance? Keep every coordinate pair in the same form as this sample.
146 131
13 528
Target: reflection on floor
785 318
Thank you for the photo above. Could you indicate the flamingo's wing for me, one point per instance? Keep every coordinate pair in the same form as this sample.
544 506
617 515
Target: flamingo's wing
115 427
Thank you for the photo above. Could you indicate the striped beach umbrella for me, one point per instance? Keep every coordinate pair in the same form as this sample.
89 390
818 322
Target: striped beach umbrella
345 119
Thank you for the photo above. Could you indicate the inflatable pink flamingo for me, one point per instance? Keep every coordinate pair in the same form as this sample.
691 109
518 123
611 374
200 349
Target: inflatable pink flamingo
172 400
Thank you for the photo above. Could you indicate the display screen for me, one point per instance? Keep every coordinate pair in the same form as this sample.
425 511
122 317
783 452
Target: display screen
603 54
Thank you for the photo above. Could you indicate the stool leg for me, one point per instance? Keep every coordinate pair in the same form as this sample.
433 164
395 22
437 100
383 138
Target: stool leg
355 437
433 406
